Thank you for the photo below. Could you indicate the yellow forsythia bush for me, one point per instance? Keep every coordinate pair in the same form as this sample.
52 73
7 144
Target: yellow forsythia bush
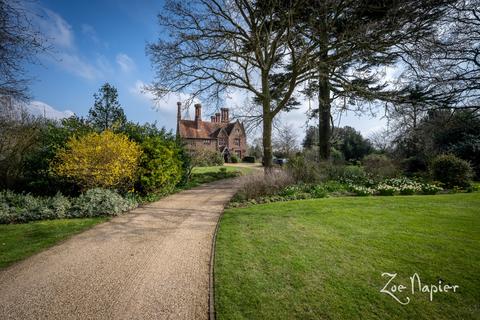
106 160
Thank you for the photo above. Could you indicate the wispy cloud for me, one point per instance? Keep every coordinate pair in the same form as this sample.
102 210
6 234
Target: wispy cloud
65 52
125 62
56 29
90 32
167 104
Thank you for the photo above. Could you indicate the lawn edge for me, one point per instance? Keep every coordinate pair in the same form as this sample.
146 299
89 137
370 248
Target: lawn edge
211 279
57 243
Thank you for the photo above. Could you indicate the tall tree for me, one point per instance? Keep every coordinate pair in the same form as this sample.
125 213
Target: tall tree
285 142
106 112
447 63
356 40
20 43
218 45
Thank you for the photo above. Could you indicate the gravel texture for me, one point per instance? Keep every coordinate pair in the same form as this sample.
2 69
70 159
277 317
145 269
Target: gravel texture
152 263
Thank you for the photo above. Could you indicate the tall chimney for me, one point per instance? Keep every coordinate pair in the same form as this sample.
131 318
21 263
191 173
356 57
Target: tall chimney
198 113
225 115
179 116
212 118
217 117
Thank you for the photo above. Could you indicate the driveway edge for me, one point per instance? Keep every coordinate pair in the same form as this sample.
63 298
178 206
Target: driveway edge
211 290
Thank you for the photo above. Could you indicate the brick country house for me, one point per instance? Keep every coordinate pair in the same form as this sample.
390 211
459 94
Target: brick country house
218 134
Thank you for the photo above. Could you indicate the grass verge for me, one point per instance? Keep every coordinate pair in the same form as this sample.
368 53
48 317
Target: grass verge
324 258
19 241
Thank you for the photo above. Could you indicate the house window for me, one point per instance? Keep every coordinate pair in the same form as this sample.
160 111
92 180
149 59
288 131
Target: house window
206 141
222 141
237 141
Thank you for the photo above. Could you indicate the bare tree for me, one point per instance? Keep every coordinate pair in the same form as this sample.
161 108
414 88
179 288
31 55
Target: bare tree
286 141
216 45
20 43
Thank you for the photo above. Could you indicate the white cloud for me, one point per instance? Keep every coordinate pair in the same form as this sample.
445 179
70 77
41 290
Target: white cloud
39 108
55 28
76 65
166 105
125 62
65 53
90 32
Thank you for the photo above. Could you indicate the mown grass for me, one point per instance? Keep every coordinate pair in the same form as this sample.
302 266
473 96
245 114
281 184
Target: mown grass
18 241
323 258
202 175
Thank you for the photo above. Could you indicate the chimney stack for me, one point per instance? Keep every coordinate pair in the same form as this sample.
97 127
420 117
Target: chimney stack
212 118
179 116
198 113
217 117
225 115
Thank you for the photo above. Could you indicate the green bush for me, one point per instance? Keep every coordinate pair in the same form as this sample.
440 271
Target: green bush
303 170
22 208
386 190
379 166
100 202
249 159
451 171
160 168
206 158
233 159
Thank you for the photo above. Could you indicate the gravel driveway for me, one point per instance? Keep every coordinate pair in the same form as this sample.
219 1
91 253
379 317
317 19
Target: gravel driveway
150 264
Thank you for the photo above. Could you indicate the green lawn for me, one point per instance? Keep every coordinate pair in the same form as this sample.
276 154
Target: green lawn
18 241
209 174
323 259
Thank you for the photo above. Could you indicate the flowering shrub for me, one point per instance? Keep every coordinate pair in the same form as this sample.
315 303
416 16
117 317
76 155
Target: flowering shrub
361 190
104 159
384 189
410 188
430 188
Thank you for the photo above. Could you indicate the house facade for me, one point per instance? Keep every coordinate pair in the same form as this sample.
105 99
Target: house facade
218 134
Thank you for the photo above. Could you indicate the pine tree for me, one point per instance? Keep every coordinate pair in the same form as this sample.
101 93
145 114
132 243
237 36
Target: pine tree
106 112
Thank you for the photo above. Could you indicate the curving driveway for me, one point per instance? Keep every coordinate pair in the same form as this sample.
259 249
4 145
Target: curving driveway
152 263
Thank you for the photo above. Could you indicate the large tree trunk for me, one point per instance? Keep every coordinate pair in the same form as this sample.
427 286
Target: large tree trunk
267 123
324 116
267 141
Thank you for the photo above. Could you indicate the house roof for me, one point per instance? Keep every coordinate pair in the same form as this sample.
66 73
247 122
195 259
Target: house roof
205 130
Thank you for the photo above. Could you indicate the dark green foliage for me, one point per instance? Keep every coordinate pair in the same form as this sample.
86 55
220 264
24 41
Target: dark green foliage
106 112
451 171
249 159
139 132
52 137
160 165
162 152
379 166
234 159
351 143
311 138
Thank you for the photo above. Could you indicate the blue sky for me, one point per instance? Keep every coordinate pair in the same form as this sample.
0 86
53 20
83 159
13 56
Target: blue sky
96 42
104 41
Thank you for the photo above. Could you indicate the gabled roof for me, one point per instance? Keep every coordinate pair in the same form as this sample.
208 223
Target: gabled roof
205 130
